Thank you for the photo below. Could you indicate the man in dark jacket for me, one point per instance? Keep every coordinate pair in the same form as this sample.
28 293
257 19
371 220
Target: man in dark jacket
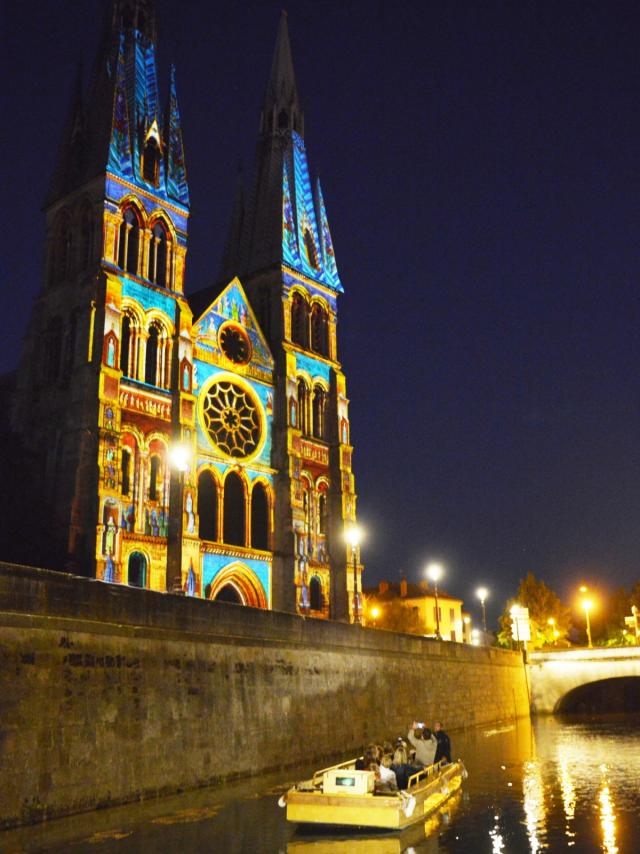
443 750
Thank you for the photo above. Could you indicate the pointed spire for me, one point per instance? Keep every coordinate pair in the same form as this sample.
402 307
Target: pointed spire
326 243
176 168
233 243
120 143
282 110
70 156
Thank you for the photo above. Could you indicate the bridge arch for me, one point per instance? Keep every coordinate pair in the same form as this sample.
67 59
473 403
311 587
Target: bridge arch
556 675
617 694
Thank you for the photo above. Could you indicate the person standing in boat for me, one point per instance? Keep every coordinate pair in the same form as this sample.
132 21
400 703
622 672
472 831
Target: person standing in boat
443 750
424 743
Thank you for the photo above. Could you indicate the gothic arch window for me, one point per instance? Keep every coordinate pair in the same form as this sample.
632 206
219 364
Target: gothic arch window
283 120
316 601
64 249
319 330
126 338
125 471
70 347
154 475
151 162
303 406
129 241
151 359
158 254
323 516
300 321
318 409
53 350
259 518
207 506
310 246
86 237
234 510
137 570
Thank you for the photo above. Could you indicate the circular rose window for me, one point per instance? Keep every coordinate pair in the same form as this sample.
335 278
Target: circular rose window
235 344
232 419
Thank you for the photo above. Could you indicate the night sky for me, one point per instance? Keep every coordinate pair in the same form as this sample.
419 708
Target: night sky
480 168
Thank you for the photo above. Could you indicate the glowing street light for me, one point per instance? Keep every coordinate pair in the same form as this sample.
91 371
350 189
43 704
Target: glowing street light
434 574
353 535
587 604
375 613
482 594
556 634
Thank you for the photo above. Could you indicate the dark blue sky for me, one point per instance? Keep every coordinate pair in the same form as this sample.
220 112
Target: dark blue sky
480 167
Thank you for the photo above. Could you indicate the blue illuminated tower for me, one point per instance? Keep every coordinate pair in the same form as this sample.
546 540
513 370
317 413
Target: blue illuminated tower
281 246
105 383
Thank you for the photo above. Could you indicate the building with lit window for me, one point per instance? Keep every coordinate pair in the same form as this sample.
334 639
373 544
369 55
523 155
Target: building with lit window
419 601
122 372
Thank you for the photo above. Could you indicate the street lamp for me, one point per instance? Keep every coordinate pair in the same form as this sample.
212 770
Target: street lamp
587 604
375 613
180 455
482 594
353 536
434 573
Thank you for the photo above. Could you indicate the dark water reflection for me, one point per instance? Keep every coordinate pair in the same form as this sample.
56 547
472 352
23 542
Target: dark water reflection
557 785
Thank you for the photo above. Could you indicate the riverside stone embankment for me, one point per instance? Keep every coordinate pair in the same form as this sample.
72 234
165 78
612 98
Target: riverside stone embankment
110 694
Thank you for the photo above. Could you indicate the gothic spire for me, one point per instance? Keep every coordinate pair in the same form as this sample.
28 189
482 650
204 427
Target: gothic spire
284 222
232 246
282 110
176 169
70 156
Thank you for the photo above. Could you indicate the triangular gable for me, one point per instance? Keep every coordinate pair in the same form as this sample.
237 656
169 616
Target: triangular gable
232 305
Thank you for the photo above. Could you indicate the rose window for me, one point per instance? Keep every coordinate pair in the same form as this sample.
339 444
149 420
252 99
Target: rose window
232 419
235 344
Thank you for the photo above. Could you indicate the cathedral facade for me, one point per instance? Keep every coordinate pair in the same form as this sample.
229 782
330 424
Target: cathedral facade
188 443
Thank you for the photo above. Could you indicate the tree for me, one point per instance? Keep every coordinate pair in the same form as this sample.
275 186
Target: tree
395 616
544 606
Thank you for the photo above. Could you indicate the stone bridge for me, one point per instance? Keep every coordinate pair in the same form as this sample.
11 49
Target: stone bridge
554 675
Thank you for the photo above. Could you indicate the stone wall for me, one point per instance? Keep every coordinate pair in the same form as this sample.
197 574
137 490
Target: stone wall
109 694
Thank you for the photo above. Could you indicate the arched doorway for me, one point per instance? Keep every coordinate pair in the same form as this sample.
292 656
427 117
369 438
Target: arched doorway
240 582
137 570
230 594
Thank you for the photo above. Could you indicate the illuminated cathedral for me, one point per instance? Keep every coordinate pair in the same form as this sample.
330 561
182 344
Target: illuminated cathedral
188 443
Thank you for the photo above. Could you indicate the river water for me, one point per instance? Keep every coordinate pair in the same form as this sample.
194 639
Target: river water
551 785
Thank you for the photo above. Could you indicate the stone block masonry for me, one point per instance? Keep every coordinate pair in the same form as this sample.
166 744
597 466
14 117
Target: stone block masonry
111 694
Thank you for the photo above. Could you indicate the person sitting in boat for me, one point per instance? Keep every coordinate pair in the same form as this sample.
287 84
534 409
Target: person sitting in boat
424 742
443 750
388 777
400 755
369 756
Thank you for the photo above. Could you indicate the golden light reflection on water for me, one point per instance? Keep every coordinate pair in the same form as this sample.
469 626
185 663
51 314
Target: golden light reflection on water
534 809
607 815
568 791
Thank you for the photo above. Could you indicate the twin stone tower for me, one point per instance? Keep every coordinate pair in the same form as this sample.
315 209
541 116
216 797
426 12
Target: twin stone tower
190 443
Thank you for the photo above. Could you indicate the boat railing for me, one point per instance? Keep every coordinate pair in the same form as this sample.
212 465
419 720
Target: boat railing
423 774
317 777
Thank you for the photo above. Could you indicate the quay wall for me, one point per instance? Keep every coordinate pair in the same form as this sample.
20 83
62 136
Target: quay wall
110 694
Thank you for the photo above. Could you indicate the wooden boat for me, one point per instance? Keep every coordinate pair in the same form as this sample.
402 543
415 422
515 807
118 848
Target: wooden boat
341 795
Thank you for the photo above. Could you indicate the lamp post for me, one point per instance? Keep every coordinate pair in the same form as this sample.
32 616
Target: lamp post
434 573
482 594
375 613
180 457
353 536
587 604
